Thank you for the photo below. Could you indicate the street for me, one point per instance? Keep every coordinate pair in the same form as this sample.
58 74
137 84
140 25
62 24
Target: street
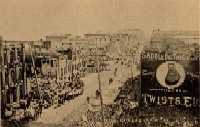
74 109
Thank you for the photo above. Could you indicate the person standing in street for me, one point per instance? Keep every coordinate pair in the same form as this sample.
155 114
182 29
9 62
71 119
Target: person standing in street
97 94
40 108
115 74
88 100
69 78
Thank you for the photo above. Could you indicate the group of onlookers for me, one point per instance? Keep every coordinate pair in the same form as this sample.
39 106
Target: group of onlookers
155 116
158 117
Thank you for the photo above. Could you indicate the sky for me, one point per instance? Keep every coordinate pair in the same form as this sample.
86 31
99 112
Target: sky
35 19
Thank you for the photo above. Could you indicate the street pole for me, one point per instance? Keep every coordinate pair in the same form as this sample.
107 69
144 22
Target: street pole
75 59
131 73
1 74
25 90
71 63
101 99
132 70
33 62
16 74
79 59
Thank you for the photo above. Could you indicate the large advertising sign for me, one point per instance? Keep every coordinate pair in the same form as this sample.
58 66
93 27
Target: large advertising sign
169 79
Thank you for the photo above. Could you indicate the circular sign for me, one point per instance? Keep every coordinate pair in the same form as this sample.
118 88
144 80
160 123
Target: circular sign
170 74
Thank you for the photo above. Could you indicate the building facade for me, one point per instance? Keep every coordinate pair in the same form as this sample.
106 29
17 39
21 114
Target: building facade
13 76
188 37
179 41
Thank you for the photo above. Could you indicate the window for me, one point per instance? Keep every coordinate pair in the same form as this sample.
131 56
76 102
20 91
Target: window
38 63
13 76
61 72
51 63
11 56
19 54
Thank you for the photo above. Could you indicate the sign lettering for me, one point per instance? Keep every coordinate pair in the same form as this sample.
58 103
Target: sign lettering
169 79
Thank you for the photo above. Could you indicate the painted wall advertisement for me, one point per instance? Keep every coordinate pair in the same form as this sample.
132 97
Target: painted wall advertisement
169 79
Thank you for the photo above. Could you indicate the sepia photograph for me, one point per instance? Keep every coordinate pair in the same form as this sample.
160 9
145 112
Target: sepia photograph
99 63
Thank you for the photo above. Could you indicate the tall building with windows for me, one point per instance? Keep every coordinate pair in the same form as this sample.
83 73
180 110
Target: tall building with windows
179 41
188 37
57 40
101 39
13 76
61 37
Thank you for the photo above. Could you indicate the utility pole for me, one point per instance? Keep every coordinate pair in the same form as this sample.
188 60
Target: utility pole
33 63
79 58
58 64
75 59
1 74
71 64
25 90
101 99
16 73
6 72
132 72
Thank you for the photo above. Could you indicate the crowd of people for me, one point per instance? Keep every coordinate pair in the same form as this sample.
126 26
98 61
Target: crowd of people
158 116
155 116
45 95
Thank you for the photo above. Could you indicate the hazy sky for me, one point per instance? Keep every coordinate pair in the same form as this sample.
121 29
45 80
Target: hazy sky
34 19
